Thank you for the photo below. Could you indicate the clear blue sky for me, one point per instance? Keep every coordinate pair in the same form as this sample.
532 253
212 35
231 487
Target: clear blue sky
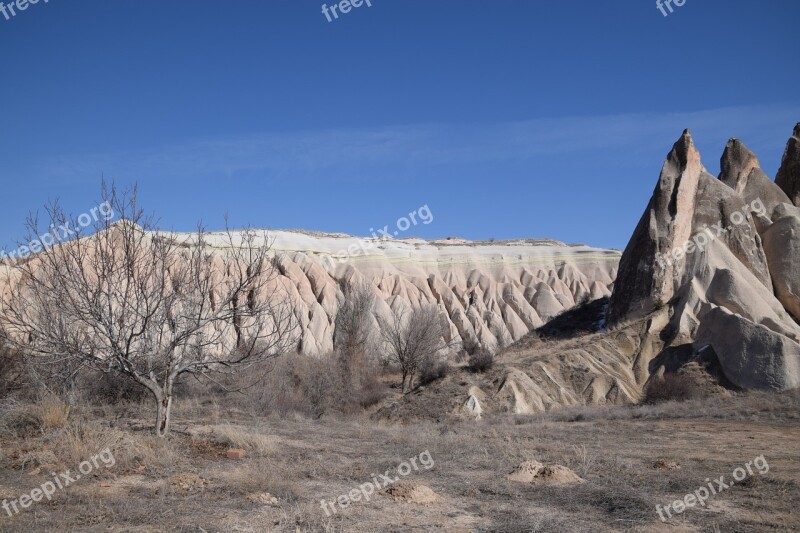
507 118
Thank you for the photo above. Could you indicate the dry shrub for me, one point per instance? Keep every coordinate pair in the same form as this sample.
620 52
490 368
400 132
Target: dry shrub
63 441
247 478
12 370
431 369
481 360
39 458
318 381
312 387
412 337
82 440
51 412
672 387
111 388
21 418
18 418
372 392
585 459
293 384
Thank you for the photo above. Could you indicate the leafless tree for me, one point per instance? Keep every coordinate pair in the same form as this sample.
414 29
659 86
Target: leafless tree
410 339
354 334
354 331
121 296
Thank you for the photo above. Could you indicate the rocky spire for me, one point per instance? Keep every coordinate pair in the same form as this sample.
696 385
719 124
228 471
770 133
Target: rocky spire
789 174
741 171
736 165
646 270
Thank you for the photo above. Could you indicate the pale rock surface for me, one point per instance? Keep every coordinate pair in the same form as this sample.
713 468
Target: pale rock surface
667 223
489 294
782 245
473 407
752 356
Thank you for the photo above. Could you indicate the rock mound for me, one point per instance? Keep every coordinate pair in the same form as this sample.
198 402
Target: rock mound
187 482
539 474
525 472
263 498
664 464
412 493
708 287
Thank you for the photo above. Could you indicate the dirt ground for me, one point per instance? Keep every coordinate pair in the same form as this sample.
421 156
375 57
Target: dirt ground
630 459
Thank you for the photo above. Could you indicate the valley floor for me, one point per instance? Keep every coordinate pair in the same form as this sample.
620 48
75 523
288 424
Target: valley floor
631 458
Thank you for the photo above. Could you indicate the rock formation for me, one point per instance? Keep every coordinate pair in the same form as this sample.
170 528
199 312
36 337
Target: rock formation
719 254
708 284
490 293
688 202
789 174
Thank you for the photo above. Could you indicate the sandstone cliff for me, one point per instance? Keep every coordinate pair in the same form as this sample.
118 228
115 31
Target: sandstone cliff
490 293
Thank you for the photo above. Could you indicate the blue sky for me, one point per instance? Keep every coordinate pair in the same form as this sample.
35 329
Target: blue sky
508 118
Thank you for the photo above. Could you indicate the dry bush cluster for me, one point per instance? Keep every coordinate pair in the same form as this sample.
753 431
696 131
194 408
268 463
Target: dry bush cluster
53 435
433 368
298 385
22 418
481 360
673 386
318 386
12 370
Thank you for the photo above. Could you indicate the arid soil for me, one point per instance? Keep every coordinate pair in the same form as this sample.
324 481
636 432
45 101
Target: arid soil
630 459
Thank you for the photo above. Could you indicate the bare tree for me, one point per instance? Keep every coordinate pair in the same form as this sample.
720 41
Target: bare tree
353 335
152 306
410 339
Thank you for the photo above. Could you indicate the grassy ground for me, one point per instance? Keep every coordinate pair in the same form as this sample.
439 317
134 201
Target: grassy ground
186 483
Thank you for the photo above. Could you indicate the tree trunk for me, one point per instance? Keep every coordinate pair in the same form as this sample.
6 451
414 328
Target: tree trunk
164 412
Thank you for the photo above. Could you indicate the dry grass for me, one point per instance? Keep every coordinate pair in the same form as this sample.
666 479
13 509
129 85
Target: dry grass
254 442
302 462
19 418
52 413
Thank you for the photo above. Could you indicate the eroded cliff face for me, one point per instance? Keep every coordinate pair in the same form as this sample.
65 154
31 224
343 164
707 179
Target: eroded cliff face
719 265
490 294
